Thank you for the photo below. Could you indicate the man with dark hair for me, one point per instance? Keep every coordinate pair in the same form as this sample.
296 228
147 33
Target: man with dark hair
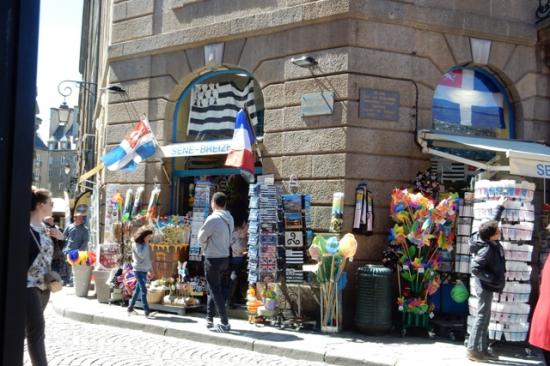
215 239
488 272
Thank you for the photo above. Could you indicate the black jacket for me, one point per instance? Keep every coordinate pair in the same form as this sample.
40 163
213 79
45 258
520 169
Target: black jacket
488 264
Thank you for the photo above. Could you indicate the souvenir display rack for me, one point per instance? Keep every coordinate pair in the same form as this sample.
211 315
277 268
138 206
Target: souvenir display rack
510 310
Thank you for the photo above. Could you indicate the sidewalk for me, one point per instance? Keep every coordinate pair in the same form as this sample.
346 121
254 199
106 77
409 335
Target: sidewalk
344 349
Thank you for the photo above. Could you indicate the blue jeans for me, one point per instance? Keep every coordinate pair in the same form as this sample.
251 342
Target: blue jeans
141 278
479 336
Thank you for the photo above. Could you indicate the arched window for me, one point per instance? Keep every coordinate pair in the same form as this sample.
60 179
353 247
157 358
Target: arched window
207 108
471 101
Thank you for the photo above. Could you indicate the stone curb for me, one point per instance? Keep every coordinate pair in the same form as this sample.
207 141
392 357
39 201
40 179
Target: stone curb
256 345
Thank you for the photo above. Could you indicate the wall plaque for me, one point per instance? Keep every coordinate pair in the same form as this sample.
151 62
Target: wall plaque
317 104
379 104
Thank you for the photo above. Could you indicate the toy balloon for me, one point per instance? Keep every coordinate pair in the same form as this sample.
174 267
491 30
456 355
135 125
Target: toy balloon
314 252
348 246
332 245
320 242
459 293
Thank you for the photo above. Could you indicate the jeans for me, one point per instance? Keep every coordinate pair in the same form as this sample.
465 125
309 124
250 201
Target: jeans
35 325
141 278
479 337
216 271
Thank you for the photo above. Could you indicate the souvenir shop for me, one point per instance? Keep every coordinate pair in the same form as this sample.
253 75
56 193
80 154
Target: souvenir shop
433 220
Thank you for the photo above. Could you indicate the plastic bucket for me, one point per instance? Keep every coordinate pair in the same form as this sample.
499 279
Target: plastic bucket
82 274
102 290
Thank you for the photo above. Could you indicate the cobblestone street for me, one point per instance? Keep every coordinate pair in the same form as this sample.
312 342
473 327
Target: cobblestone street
74 343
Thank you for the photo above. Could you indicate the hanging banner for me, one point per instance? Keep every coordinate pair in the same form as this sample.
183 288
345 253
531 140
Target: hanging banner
529 165
218 147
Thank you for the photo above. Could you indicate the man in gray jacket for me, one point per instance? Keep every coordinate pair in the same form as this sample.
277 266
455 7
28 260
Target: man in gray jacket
215 239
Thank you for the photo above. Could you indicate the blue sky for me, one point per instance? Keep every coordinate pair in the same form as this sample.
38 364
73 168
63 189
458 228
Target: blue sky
58 54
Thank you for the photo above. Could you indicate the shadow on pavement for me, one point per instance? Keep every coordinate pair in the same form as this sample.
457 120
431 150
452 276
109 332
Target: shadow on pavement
266 336
173 319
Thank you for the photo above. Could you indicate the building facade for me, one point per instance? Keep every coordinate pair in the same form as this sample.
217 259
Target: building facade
381 61
40 173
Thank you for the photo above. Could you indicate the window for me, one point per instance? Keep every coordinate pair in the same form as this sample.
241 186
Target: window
471 101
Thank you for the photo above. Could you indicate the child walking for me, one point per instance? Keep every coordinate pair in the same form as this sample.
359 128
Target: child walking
142 264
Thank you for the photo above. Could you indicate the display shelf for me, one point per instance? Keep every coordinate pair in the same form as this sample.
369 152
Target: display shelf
510 309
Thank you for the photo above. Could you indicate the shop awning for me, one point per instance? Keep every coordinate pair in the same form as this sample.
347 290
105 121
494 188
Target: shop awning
523 158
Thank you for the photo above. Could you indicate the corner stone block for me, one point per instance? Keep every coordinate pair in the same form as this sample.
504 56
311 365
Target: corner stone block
311 141
270 72
136 68
321 190
272 165
294 90
196 57
382 142
300 166
274 96
433 46
132 29
329 166
232 51
132 9
460 48
173 64
500 54
273 144
363 166
389 37
273 120
522 61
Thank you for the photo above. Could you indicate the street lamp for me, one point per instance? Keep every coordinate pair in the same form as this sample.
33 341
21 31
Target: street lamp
304 61
64 113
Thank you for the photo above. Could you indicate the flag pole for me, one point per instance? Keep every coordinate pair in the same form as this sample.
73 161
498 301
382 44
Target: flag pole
163 166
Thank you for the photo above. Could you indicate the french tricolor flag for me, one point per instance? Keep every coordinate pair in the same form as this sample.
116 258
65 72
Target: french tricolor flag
240 154
137 146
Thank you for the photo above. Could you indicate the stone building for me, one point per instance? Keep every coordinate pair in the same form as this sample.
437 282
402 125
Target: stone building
156 50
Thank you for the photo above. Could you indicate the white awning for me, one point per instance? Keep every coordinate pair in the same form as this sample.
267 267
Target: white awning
525 158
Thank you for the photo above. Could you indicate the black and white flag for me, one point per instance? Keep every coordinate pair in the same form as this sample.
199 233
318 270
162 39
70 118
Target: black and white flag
214 108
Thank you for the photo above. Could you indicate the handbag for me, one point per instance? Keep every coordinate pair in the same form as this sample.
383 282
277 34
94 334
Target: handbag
52 278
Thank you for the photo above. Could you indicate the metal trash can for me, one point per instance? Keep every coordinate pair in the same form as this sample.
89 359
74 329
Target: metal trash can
374 298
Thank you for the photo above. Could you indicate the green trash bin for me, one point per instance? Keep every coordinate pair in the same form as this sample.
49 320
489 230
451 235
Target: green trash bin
374 299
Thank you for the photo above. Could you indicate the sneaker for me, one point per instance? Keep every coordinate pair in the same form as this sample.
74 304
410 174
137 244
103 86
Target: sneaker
476 356
150 314
209 323
131 311
490 356
223 328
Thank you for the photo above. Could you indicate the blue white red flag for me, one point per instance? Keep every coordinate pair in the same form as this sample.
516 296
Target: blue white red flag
137 146
468 98
240 153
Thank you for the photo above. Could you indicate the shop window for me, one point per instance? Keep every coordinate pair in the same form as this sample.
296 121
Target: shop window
471 101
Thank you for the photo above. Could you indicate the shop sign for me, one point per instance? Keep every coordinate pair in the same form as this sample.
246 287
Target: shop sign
379 104
218 147
530 168
317 104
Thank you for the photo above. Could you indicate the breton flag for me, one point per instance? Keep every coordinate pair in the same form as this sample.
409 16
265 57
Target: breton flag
137 146
240 153
214 108
468 98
